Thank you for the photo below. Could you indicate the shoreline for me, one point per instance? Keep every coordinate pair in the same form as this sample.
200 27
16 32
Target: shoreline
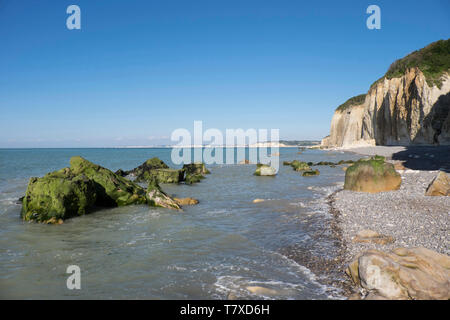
407 215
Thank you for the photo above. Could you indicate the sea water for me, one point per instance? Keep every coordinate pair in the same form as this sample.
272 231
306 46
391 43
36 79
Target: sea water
219 247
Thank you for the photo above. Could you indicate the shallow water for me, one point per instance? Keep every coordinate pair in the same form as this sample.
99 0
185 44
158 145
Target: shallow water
208 251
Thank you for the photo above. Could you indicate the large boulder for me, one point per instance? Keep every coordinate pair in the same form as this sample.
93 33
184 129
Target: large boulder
57 196
440 186
112 189
415 273
264 170
373 175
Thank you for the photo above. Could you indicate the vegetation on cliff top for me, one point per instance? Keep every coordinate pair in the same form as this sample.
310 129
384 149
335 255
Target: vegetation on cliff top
353 101
433 61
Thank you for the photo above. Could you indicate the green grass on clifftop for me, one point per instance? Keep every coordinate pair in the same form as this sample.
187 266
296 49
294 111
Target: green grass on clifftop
353 101
433 61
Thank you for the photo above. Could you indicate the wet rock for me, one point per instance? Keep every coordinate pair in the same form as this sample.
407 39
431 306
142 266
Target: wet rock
373 175
366 236
155 168
79 189
440 186
264 170
186 201
310 173
415 273
262 291
300 165
158 198
195 172
111 189
58 195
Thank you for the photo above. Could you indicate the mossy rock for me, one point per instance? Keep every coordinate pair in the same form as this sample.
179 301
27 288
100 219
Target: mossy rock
58 195
143 173
194 172
193 178
325 163
345 162
287 163
196 168
84 186
112 189
300 165
372 176
310 173
264 170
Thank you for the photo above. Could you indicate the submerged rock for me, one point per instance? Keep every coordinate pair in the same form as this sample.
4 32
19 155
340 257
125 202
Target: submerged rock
310 173
186 201
440 186
258 200
83 187
264 170
415 273
373 175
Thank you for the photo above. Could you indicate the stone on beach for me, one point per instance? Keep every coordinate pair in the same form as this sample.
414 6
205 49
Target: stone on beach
415 273
373 175
372 236
258 200
440 186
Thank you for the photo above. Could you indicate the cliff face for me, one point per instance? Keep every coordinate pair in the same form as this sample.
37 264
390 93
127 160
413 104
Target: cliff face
404 110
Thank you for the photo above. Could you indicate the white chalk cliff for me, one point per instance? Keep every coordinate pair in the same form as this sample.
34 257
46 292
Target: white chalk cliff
404 110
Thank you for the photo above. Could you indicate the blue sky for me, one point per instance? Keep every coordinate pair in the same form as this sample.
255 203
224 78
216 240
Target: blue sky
137 70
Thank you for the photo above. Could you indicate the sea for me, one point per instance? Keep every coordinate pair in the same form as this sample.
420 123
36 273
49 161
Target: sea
218 249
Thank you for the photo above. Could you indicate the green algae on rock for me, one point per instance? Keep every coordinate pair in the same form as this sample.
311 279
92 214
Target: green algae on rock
264 170
84 186
58 195
310 173
112 189
195 172
373 175
300 165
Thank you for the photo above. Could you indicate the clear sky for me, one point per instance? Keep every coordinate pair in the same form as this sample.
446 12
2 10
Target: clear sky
137 70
